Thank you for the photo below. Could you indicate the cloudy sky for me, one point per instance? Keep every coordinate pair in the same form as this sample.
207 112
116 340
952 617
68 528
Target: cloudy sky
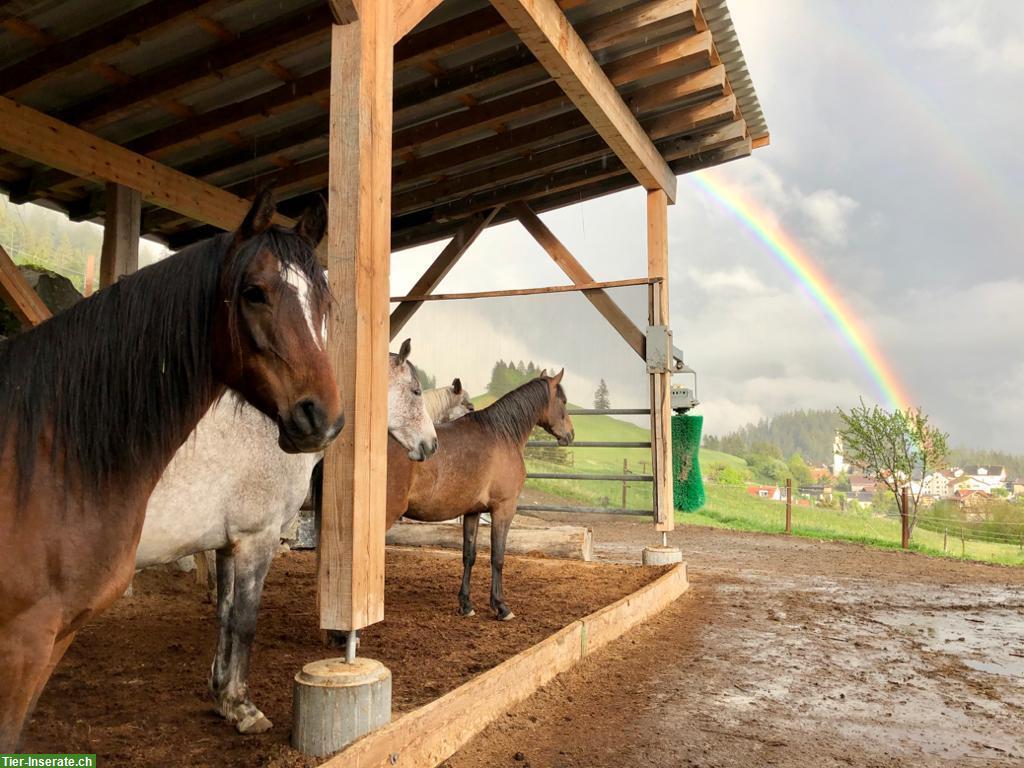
895 162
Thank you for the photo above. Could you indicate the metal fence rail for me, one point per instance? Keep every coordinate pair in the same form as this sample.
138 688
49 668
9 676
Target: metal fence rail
584 476
585 444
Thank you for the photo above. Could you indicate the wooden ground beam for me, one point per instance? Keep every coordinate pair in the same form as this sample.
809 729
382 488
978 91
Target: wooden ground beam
441 266
121 232
542 26
18 294
661 383
431 734
351 551
579 275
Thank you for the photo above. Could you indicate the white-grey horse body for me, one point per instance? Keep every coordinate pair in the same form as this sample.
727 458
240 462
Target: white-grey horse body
231 488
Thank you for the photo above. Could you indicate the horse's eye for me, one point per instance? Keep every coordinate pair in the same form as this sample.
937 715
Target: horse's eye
418 392
254 294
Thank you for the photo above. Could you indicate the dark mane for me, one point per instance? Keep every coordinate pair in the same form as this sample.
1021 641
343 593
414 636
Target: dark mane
513 416
121 377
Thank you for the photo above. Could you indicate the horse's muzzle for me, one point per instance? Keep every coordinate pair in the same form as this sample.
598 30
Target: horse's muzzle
306 429
424 450
564 440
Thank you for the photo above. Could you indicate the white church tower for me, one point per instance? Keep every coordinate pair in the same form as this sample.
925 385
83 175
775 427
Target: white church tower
838 466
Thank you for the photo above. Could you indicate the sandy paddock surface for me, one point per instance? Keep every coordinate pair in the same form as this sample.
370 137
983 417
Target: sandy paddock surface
132 688
788 652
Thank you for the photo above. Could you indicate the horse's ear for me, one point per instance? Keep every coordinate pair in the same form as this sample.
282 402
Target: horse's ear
259 218
457 386
557 378
313 223
543 373
404 350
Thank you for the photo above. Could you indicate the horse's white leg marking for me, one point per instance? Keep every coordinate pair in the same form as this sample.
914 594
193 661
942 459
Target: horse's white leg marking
300 283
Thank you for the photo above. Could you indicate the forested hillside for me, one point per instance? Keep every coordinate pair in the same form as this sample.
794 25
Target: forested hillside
809 433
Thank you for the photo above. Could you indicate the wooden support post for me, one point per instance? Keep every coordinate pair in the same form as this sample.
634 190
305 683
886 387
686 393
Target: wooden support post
905 519
351 551
441 266
602 302
89 279
18 295
121 232
661 383
789 505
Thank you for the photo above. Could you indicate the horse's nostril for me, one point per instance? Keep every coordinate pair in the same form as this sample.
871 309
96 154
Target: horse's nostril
309 417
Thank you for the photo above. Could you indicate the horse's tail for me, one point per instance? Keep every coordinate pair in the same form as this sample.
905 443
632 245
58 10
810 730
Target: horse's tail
316 491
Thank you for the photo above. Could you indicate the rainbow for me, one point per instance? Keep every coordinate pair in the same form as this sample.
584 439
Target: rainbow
761 224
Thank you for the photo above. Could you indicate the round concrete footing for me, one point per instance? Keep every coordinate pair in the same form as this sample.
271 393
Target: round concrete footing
335 703
662 555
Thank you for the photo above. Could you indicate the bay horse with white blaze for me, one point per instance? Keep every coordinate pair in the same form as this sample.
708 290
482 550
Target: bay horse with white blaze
95 402
479 467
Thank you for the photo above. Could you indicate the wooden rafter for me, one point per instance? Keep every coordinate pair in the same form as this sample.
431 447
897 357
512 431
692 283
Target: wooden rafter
576 272
116 34
31 134
440 267
19 296
409 13
544 29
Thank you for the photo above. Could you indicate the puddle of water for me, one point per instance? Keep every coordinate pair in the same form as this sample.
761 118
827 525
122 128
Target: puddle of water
990 641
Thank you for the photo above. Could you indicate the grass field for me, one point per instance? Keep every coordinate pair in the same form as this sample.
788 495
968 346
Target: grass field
732 507
729 506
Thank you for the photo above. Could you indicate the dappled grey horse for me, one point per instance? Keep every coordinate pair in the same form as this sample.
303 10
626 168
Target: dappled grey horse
230 488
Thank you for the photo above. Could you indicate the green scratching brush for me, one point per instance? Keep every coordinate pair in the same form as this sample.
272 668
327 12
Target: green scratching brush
687 484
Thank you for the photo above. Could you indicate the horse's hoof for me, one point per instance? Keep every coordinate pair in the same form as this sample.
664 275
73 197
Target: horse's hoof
466 614
254 724
506 617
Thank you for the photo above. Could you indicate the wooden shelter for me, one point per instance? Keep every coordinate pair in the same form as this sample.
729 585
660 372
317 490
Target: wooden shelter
419 120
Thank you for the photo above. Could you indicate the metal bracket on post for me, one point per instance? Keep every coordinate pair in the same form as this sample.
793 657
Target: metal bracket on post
661 355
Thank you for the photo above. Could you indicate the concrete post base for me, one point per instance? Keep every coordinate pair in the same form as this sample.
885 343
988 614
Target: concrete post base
662 555
335 703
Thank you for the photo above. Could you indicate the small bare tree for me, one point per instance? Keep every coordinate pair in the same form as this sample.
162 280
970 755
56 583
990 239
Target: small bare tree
891 447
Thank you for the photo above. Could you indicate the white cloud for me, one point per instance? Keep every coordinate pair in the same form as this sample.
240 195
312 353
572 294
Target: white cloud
829 213
989 35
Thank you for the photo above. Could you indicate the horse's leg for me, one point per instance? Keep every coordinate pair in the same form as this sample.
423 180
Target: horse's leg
501 519
252 557
225 574
470 526
27 649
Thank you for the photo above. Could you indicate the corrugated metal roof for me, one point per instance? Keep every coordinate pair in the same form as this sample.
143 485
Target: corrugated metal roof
716 14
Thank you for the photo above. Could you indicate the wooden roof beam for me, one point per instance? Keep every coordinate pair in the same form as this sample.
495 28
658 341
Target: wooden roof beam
42 139
115 34
544 29
409 13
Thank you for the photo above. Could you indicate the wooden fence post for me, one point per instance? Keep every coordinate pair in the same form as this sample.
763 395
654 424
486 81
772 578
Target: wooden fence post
905 519
789 505
963 543
945 538
625 471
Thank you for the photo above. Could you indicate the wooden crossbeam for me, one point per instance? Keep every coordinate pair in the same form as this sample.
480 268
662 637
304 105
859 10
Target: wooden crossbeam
19 296
576 272
351 550
581 288
544 29
38 137
440 267
116 34
343 11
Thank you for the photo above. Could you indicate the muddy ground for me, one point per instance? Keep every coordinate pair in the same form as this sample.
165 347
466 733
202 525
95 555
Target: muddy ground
132 688
788 652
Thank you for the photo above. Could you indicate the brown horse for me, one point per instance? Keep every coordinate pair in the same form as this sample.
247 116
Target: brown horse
479 467
95 402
